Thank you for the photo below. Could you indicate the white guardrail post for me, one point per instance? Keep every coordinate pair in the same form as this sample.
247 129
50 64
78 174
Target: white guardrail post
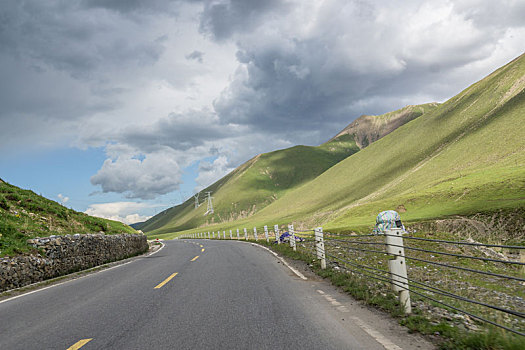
245 234
208 234
319 245
397 266
237 234
276 230
292 237
255 233
266 234
224 234
231 234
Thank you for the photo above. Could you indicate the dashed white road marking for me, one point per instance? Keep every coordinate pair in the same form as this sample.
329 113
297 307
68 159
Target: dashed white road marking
300 275
342 308
381 339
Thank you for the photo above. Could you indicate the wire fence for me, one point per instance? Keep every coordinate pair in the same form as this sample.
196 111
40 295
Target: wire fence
464 282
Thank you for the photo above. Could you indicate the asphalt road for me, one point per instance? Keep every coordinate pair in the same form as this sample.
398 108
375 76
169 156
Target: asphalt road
223 295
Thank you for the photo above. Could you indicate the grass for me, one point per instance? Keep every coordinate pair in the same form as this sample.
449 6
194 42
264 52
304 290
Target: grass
24 215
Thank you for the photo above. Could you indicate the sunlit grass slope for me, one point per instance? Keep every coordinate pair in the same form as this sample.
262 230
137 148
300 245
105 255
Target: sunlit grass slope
24 214
257 183
463 157
466 156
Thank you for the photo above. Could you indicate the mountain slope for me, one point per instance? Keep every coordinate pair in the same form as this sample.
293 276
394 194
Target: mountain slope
267 177
255 184
24 214
465 156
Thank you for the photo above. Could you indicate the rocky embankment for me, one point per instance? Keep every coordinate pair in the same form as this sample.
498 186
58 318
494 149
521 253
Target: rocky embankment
59 255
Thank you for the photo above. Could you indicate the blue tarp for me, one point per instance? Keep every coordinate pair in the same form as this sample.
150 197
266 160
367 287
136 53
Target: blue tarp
285 237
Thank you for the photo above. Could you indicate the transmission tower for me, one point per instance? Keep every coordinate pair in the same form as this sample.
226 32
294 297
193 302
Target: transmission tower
196 196
210 204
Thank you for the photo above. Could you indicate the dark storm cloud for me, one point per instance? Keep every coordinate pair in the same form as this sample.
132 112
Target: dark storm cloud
131 6
58 63
357 57
222 19
195 55
179 132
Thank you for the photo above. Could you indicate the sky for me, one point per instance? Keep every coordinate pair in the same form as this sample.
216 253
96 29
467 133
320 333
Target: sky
123 108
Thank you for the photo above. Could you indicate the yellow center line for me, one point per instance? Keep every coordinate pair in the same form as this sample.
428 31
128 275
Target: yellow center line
195 258
161 284
202 249
200 245
79 344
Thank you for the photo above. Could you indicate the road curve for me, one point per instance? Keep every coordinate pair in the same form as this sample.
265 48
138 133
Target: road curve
190 295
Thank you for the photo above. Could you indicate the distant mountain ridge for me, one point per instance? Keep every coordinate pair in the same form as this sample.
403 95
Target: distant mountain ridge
370 128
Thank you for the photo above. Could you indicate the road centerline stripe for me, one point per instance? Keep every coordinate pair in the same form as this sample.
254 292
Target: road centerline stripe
195 258
161 284
202 249
79 344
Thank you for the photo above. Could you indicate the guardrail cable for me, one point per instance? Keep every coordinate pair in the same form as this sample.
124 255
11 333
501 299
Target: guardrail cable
460 243
433 289
384 279
441 264
433 252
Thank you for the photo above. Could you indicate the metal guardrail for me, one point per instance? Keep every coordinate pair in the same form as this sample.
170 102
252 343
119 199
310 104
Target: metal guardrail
332 249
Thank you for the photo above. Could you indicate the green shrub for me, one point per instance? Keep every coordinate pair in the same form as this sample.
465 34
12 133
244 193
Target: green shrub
3 203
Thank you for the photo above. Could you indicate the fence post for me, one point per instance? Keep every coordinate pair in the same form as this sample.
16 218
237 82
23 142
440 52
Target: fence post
255 233
266 234
397 266
292 237
245 234
319 244
208 234
276 231
237 234
230 234
224 234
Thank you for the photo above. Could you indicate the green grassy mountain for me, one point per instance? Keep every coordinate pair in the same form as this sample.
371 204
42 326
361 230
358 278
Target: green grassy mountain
255 184
267 177
464 156
24 215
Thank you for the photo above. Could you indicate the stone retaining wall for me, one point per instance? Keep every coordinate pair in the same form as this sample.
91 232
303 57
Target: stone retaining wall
61 255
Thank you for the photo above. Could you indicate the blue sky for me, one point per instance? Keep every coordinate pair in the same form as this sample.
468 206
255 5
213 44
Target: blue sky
124 106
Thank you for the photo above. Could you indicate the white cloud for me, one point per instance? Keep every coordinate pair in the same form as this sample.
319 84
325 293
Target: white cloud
126 212
63 199
209 172
155 174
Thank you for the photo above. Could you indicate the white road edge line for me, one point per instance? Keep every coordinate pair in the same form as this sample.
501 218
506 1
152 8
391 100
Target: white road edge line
387 344
61 283
300 275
